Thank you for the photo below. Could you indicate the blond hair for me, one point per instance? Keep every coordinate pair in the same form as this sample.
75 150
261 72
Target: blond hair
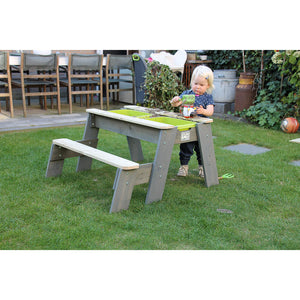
205 72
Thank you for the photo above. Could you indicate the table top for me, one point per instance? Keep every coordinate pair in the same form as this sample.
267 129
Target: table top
168 114
129 119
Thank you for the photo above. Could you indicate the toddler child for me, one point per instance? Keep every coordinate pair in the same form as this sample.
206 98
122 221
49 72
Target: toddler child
201 87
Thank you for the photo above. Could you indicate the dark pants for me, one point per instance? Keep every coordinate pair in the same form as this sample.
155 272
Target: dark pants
187 150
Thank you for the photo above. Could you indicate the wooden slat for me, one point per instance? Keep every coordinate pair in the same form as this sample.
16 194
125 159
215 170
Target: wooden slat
41 94
40 76
86 92
94 153
86 76
129 119
178 116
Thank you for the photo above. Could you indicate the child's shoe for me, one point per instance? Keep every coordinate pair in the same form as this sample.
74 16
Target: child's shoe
201 171
183 170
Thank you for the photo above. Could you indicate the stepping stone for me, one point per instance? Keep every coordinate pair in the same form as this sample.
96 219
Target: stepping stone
247 149
295 163
295 141
224 211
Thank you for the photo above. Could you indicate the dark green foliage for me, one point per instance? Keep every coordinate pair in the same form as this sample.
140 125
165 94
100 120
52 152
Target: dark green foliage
225 59
161 85
278 82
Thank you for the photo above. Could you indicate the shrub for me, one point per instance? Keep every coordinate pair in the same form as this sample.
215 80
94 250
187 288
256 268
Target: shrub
289 65
278 94
161 85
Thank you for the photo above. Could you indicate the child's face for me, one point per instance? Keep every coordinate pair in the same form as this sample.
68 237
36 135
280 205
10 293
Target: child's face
200 85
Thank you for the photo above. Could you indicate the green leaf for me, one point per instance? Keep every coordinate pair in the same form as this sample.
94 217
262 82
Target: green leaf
292 59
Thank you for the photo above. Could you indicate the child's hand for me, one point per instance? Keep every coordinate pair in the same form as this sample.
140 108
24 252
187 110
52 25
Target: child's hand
200 110
206 112
176 101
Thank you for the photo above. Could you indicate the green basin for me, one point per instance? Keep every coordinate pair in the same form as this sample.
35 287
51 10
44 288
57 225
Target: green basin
131 113
181 124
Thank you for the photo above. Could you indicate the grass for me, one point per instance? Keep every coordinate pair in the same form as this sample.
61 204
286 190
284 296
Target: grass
72 211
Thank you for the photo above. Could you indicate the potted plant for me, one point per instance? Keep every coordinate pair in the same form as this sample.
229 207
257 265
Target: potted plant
161 85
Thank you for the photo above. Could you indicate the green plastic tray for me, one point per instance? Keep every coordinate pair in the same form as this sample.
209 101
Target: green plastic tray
131 113
181 124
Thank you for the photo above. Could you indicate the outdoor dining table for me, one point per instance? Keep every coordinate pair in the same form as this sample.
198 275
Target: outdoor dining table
163 134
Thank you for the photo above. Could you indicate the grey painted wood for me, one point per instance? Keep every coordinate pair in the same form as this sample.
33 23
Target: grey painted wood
161 165
153 173
137 131
135 148
129 119
143 173
116 177
206 145
54 167
124 184
97 154
191 133
90 133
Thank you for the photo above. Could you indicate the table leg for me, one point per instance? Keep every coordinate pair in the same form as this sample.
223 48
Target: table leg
206 146
161 163
90 133
135 148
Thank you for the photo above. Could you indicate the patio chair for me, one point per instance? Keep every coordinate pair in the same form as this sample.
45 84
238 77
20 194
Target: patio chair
39 71
84 70
5 82
119 76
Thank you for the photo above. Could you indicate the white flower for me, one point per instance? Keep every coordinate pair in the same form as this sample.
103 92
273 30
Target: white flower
297 54
277 58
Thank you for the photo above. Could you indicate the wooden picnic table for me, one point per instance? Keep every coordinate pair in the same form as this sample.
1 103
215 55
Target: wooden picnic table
164 135
137 130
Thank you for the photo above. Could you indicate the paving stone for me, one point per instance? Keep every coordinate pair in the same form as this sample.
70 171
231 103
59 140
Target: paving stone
295 141
224 211
42 121
247 149
295 163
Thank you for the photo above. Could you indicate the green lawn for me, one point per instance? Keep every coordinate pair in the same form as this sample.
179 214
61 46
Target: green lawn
72 211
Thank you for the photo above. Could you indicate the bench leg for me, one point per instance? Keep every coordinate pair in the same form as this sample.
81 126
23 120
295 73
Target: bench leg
206 146
55 166
116 179
90 133
123 186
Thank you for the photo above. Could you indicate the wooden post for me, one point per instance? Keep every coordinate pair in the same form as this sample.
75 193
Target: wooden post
161 165
206 146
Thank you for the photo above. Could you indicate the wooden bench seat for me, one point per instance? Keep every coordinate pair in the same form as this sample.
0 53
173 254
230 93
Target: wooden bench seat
94 153
129 173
